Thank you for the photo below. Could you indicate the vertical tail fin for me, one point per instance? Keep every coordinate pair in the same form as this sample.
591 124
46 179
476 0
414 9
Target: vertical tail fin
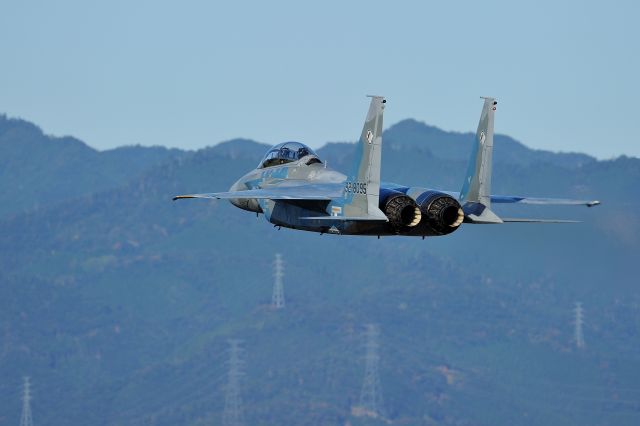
362 188
475 195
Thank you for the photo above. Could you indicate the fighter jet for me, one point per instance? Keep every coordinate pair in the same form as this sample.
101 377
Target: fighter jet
294 189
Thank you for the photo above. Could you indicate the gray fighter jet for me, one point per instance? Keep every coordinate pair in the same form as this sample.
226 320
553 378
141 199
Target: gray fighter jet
293 188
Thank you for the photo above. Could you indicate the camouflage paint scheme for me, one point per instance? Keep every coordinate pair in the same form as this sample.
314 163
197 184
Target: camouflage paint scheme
294 189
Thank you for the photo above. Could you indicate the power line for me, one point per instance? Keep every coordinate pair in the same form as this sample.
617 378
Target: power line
578 323
233 415
371 402
277 298
25 419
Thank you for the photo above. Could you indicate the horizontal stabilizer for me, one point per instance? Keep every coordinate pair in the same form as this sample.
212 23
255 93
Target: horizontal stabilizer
480 214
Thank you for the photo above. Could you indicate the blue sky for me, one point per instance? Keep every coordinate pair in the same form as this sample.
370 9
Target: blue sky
194 73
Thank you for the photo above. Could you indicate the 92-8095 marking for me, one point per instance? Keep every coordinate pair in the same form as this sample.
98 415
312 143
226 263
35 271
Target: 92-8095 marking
356 187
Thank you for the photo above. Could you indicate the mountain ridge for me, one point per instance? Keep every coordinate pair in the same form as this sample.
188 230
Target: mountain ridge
408 125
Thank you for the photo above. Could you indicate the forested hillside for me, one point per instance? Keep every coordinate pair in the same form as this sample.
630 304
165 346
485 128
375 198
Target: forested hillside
119 303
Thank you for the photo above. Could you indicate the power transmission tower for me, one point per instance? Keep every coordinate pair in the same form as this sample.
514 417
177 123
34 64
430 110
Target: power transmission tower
277 298
25 419
371 403
579 321
232 415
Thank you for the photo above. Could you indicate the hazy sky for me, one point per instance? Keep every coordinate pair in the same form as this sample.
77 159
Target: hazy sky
194 73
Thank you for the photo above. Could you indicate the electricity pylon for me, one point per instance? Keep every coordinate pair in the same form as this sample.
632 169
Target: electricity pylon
579 321
277 298
25 419
371 403
232 415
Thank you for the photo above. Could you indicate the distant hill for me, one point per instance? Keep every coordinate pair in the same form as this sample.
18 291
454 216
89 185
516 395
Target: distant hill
119 302
37 169
457 146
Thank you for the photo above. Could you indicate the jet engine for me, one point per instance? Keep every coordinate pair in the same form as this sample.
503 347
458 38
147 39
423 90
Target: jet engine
441 213
401 210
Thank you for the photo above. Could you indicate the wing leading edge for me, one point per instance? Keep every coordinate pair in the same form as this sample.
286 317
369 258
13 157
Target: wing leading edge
321 192
507 199
524 220
517 199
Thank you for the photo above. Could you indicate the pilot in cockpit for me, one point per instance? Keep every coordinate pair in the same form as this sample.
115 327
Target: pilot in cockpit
286 153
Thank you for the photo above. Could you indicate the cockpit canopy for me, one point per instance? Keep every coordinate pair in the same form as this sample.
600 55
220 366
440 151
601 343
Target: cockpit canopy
286 153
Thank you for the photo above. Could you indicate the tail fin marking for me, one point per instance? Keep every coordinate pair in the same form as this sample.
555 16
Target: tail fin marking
477 184
362 188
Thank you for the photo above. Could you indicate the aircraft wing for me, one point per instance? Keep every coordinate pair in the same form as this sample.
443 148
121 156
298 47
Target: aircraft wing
301 191
516 199
524 220
542 201
473 214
